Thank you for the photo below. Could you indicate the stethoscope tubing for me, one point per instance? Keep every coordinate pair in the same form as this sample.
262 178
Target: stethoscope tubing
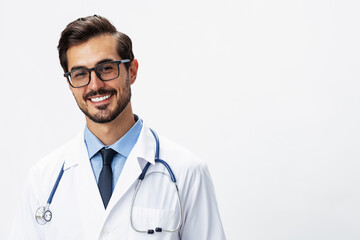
141 178
55 185
44 215
157 229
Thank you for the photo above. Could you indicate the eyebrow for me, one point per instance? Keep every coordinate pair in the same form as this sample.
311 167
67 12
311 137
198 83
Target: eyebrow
99 62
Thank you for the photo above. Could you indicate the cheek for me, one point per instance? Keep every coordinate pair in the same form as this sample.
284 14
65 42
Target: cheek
123 90
78 94
118 86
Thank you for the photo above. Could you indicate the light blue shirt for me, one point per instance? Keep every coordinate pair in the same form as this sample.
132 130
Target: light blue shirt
123 147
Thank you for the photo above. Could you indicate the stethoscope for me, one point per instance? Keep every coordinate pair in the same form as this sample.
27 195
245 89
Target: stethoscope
43 214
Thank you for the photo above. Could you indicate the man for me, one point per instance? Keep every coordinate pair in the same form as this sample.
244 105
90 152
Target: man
96 194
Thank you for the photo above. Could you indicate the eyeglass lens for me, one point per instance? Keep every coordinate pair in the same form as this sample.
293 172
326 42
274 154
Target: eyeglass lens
105 71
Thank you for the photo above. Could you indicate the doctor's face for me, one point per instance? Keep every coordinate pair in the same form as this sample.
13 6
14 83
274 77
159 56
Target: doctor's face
101 101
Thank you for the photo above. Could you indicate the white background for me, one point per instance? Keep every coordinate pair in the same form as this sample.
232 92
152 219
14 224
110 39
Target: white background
267 92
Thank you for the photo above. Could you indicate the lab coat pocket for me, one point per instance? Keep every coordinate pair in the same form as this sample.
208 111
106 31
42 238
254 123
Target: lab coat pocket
150 218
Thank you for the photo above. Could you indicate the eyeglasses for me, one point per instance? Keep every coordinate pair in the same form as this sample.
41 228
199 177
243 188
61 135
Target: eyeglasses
104 71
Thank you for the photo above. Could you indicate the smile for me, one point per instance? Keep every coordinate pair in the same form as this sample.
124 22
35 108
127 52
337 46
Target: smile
99 99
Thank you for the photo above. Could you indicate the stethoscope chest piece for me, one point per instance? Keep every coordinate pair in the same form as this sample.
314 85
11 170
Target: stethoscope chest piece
43 215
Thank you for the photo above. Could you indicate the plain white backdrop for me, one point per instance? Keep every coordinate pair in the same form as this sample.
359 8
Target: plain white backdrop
267 92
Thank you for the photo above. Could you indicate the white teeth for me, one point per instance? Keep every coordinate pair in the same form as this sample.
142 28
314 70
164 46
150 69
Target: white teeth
99 99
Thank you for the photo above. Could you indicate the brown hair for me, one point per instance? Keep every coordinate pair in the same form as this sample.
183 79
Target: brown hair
83 29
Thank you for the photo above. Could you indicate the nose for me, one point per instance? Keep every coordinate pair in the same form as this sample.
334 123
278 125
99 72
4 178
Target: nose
95 82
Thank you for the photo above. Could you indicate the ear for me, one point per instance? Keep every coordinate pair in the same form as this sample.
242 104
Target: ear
133 70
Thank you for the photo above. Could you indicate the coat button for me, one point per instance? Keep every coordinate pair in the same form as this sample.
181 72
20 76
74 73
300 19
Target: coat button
105 233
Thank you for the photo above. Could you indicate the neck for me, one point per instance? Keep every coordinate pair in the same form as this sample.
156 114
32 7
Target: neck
109 133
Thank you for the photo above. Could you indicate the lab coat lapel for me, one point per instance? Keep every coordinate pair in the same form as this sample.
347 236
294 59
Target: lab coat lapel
89 200
144 149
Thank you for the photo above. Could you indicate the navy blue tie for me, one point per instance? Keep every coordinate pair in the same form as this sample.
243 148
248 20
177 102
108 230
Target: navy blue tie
106 176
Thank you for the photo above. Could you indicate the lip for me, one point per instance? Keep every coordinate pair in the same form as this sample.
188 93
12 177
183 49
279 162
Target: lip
100 99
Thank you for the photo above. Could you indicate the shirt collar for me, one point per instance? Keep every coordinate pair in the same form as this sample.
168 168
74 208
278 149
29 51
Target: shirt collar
122 146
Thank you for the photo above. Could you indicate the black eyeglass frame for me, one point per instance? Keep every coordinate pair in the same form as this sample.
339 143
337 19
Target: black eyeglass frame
67 75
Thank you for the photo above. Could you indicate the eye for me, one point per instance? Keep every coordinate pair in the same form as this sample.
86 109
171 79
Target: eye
106 68
79 74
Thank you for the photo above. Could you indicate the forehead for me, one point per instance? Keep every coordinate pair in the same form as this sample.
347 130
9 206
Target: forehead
87 54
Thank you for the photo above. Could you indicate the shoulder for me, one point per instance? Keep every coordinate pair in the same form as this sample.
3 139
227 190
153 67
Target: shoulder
180 158
42 175
191 172
52 162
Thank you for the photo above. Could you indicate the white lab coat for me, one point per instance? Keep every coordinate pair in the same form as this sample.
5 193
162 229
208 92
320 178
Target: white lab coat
78 211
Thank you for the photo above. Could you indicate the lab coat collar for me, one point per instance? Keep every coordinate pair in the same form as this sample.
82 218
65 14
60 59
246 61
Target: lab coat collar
77 151
143 152
144 149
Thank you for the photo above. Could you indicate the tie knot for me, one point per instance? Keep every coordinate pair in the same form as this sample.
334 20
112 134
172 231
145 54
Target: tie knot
107 155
